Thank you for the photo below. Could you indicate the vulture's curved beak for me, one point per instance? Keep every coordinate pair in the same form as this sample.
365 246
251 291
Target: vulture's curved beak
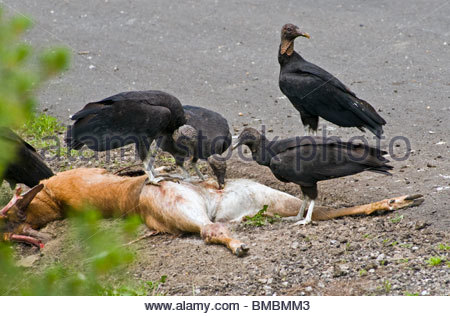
304 34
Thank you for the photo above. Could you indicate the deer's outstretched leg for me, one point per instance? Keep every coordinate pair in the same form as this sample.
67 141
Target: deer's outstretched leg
217 233
323 213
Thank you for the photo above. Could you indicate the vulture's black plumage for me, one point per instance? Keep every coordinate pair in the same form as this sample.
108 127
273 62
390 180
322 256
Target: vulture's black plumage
308 160
212 137
129 117
316 93
27 166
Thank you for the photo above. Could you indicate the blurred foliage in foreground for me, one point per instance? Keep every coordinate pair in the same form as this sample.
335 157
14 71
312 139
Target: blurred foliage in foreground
22 71
96 255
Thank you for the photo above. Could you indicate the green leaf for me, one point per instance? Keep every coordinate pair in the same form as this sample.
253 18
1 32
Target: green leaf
19 24
54 61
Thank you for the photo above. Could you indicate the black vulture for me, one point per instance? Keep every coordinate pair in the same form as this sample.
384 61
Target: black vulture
315 92
213 137
307 160
137 117
27 166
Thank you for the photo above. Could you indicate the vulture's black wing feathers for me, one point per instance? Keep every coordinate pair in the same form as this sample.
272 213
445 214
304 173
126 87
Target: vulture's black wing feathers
314 92
308 163
315 96
324 75
153 98
116 125
125 118
212 126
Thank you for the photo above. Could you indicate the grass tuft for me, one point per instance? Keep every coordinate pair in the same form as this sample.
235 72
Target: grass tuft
146 288
444 247
387 286
261 218
406 293
397 219
434 261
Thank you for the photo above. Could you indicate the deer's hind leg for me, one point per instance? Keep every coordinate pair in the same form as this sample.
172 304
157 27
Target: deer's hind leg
212 233
180 208
218 233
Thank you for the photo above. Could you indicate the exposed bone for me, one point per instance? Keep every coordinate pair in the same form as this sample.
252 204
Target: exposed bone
22 238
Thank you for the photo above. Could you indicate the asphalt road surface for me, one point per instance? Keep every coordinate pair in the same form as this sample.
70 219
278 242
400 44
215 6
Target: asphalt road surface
223 55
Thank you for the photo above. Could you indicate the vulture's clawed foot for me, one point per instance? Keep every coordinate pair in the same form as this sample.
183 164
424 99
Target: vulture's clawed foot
292 218
153 181
201 176
157 181
172 178
302 222
164 169
194 179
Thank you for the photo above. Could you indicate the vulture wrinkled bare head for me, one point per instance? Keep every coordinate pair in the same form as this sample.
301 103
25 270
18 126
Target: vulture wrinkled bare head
289 32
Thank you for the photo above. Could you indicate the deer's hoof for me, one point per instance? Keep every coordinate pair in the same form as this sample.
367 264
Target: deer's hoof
242 250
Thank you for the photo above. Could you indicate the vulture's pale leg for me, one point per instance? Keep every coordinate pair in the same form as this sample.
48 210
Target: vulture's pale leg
307 129
148 158
308 217
300 213
149 170
186 174
200 175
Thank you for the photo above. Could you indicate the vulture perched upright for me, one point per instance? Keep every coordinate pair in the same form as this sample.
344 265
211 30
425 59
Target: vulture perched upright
137 117
213 138
27 167
307 160
315 92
